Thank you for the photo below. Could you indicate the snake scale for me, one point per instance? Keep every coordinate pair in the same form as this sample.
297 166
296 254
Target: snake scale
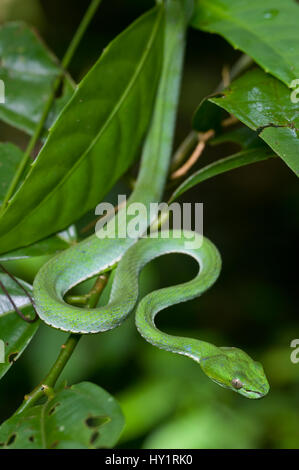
228 366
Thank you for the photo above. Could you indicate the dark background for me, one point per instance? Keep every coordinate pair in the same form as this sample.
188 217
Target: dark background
251 214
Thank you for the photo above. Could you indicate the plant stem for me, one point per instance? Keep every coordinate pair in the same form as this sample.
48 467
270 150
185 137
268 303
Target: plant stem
46 386
87 299
203 139
191 140
183 151
94 4
64 64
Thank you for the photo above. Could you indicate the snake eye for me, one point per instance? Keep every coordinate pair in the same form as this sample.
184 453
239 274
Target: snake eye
236 383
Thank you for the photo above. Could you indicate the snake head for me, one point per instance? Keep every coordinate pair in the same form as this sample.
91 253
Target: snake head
232 368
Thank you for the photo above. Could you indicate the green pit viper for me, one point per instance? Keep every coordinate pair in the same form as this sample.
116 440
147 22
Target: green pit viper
228 366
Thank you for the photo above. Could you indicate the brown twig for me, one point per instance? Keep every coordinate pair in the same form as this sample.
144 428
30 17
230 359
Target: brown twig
203 138
184 149
229 121
226 76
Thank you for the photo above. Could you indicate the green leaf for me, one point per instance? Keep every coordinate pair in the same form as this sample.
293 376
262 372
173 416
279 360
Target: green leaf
94 140
29 71
48 246
221 166
15 332
10 157
263 103
242 136
266 30
83 416
207 117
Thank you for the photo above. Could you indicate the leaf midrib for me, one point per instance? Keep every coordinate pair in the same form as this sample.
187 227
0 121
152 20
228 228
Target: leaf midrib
110 118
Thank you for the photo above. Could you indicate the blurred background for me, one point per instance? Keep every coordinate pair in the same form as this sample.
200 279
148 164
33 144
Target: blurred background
251 214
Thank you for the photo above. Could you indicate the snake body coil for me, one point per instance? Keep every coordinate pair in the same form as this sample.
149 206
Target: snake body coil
229 367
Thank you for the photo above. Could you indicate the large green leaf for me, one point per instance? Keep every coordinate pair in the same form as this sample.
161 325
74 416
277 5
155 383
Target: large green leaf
83 416
15 332
28 70
223 165
94 140
266 30
48 246
10 157
263 103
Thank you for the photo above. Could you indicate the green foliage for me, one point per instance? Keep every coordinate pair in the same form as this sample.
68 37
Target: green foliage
15 332
83 416
204 429
243 136
95 134
206 117
48 246
265 30
84 147
237 160
264 105
30 70
10 157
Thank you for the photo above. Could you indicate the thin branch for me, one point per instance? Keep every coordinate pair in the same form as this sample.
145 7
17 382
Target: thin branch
226 78
85 299
203 139
47 385
184 149
18 311
229 121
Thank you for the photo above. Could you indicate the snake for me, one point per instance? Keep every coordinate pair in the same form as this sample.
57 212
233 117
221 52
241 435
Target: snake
229 367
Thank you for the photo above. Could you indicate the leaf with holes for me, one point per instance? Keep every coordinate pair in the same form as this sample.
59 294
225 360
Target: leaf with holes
15 332
266 30
28 71
83 416
94 140
263 103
